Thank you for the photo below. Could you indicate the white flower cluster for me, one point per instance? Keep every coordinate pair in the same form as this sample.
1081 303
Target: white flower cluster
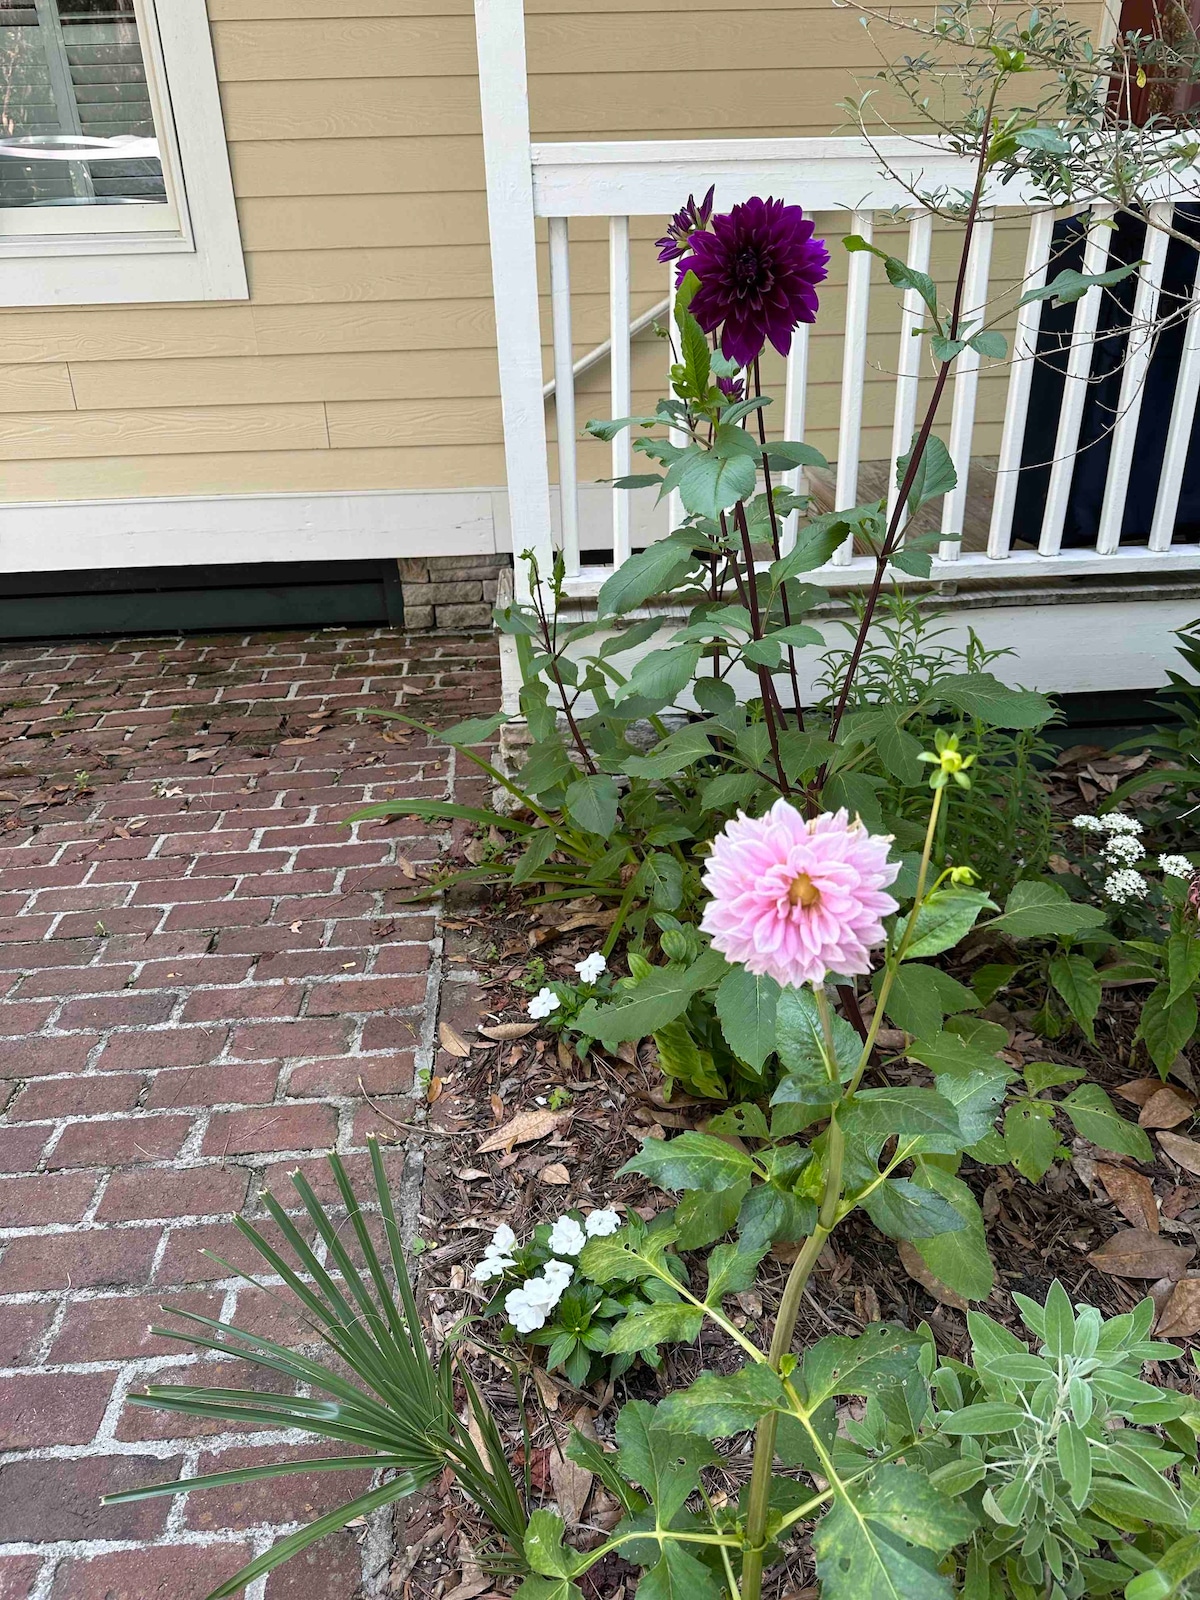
528 1305
545 1000
496 1256
1175 866
1125 885
1121 848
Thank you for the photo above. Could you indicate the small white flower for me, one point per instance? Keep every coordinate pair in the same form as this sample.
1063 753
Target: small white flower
1118 822
599 1224
543 1003
492 1266
567 1238
590 968
1175 866
1123 849
558 1273
1088 824
503 1239
525 1311
1125 885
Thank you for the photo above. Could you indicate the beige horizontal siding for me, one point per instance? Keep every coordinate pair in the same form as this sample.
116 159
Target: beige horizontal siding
365 358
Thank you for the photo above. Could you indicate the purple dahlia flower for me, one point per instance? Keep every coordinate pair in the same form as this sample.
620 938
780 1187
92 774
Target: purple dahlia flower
692 219
758 269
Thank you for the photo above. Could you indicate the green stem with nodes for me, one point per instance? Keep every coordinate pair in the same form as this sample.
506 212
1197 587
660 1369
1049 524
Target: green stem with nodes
828 1216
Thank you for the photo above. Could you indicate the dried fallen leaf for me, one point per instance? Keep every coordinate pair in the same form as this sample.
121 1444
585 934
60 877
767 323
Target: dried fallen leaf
1177 1202
571 1484
1183 1152
555 1174
1181 1316
1138 1253
434 1091
471 1174
453 1041
1131 1193
1167 1108
1139 1090
406 867
524 1127
546 1388
507 1030
917 1269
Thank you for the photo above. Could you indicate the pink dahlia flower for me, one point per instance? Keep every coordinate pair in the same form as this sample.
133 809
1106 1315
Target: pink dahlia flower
795 900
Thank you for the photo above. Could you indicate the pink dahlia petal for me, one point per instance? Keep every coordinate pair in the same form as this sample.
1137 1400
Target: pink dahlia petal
795 900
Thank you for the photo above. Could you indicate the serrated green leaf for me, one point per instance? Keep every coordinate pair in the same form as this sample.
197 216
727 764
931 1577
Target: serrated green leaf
732 1269
1098 1120
591 803
945 918
658 1324
935 474
1075 978
710 483
1183 965
901 1210
800 1038
1030 1137
677 1575
960 1259
1165 1028
691 1161
662 675
746 1005
627 1256
1044 911
730 789
879 1113
883 1355
703 1216
642 575
921 996
982 695
859 1560
658 999
544 1548
718 1404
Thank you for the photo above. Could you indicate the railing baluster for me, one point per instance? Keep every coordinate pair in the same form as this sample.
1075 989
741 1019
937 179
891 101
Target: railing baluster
564 392
622 394
1133 380
1179 431
966 390
854 364
908 364
794 396
1016 404
1075 386
678 436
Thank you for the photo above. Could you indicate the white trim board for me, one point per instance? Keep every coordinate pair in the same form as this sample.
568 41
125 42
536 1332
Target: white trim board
201 257
203 530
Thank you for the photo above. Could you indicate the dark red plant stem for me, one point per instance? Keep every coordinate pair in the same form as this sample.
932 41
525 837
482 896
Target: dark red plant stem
777 549
771 707
918 449
548 642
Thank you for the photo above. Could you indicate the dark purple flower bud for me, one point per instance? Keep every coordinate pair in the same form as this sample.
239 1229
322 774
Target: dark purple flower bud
758 269
692 219
731 388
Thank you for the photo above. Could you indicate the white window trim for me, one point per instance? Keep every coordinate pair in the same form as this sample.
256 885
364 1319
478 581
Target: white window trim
198 255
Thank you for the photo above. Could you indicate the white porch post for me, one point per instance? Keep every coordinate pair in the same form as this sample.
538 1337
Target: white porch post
504 102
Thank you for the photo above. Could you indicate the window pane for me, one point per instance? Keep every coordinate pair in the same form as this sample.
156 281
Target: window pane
73 83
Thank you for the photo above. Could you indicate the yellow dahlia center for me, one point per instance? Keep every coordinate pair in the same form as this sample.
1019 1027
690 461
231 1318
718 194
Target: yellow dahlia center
802 891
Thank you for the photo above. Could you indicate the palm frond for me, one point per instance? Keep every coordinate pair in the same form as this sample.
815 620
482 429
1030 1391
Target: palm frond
400 1413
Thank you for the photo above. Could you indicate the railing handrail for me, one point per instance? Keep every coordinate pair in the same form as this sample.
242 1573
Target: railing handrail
642 177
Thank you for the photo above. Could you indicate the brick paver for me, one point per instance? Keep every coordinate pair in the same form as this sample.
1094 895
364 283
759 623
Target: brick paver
200 964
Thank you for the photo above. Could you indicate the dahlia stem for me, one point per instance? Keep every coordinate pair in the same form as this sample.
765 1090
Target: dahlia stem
770 701
759 1497
777 548
918 450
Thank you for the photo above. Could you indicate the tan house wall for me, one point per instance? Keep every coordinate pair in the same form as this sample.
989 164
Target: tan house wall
365 357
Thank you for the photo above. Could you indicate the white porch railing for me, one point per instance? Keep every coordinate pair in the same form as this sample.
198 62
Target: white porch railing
569 182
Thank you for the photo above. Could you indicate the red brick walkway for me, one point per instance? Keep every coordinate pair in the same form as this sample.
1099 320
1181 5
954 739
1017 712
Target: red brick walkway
199 963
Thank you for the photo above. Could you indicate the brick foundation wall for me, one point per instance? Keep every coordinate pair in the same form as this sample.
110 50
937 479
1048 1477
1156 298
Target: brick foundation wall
449 591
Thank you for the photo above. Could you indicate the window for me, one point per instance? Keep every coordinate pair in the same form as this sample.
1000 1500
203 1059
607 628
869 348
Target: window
114 177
